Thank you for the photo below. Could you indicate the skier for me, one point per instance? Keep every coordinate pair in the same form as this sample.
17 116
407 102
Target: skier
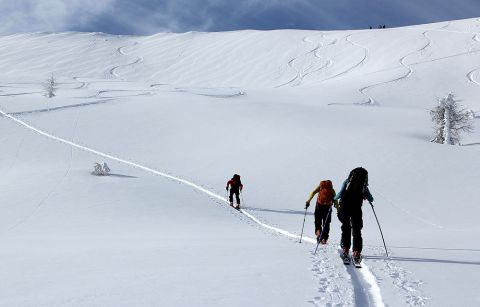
323 207
236 187
354 190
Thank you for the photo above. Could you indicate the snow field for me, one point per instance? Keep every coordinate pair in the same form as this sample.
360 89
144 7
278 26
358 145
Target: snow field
284 109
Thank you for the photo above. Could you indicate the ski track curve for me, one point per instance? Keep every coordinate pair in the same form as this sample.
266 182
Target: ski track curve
82 85
471 74
302 72
408 73
364 282
356 65
138 60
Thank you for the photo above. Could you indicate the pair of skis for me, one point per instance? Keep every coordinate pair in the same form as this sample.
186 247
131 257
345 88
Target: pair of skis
347 260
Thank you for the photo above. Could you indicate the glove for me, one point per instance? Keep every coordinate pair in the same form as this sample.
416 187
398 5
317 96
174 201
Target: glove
307 205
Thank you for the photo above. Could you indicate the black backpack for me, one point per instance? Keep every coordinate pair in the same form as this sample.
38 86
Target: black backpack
357 182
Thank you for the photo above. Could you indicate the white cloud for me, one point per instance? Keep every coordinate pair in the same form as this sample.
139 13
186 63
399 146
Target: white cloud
48 15
151 16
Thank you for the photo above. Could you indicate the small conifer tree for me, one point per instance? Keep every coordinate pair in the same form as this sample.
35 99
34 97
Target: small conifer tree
50 86
450 120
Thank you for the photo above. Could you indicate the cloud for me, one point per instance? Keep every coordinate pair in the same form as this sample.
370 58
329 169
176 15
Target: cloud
49 15
152 16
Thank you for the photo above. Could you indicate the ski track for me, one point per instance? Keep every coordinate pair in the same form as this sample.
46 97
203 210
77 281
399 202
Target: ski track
401 280
82 83
370 100
236 92
61 107
113 70
352 68
364 282
409 72
20 94
303 71
471 74
327 273
55 187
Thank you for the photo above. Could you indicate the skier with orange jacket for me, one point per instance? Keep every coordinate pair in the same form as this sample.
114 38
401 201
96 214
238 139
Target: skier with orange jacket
323 216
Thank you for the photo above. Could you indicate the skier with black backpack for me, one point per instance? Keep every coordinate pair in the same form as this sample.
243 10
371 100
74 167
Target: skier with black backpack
236 186
323 209
354 190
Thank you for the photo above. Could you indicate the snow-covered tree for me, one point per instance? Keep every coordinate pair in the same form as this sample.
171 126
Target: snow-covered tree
450 120
101 169
106 169
50 86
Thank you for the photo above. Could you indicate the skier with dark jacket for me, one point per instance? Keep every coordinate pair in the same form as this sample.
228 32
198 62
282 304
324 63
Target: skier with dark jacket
323 206
354 190
236 186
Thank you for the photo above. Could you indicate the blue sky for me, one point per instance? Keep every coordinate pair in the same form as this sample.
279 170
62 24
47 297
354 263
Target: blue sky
152 16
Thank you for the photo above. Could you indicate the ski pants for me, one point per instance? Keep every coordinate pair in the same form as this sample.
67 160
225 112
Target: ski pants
350 215
323 217
237 196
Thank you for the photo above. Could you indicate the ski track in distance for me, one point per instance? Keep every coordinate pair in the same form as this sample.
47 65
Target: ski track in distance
113 70
409 72
471 74
363 282
350 69
302 72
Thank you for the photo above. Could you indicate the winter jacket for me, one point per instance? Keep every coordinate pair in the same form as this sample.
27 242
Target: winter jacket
235 185
317 189
366 192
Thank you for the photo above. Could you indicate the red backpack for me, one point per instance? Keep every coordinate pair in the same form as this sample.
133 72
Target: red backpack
325 194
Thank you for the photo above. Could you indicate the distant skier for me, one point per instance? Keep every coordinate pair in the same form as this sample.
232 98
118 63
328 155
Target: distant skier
323 207
354 190
236 186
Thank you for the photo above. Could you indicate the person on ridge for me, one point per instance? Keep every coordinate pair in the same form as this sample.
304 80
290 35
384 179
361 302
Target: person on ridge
354 190
323 207
236 187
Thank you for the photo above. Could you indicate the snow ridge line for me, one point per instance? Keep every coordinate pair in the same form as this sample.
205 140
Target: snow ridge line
373 291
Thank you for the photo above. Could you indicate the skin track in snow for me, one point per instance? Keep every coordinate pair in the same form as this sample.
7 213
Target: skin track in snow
373 289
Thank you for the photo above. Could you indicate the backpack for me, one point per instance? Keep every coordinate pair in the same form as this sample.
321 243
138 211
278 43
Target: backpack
357 182
325 194
235 181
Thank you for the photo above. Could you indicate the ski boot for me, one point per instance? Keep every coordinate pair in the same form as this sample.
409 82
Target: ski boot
357 259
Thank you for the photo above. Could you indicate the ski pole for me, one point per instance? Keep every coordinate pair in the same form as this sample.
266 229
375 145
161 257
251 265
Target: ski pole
301 235
381 233
323 228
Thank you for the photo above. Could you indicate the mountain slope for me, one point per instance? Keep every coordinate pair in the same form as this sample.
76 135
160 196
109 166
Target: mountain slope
284 109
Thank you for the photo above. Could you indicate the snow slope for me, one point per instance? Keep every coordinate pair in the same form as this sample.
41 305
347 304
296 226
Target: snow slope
175 115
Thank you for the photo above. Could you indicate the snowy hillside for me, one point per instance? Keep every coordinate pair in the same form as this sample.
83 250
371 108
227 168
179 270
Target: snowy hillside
175 115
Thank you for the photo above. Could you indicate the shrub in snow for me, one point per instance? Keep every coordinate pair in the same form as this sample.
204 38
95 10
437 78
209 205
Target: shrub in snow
449 120
101 169
50 86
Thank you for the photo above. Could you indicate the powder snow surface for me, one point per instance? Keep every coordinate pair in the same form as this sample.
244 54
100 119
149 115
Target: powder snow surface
176 115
